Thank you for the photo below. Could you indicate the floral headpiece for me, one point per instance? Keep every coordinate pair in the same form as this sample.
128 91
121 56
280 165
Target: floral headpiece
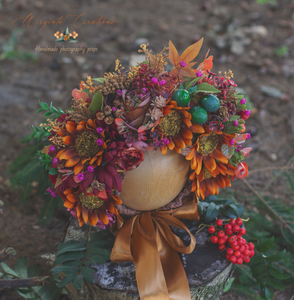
189 110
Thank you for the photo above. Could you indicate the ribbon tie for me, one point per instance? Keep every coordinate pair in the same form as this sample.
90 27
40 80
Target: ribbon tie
147 240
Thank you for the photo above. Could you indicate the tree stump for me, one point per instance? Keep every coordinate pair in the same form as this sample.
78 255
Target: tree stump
207 270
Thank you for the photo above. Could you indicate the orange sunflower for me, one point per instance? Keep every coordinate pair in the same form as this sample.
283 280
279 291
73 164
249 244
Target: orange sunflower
84 143
211 168
177 127
90 207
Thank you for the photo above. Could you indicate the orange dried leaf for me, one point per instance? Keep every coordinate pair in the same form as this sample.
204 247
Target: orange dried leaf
173 54
191 52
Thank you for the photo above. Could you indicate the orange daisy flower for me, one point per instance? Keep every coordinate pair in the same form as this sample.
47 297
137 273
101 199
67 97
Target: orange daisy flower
90 207
207 182
176 125
83 144
209 163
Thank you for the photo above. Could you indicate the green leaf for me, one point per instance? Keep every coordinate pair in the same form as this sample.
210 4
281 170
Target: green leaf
53 171
21 267
88 274
227 150
68 256
181 87
240 209
96 103
234 210
34 270
44 105
275 257
256 259
277 273
64 269
267 293
96 259
232 130
72 263
273 283
49 292
61 39
78 282
229 284
206 88
78 246
212 212
216 201
48 113
26 293
266 245
99 251
259 269
98 236
71 243
100 80
192 89
68 279
234 117
191 82
8 270
66 31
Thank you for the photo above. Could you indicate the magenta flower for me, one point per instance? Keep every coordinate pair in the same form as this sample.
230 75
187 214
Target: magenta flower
80 176
99 142
99 130
183 64
235 123
90 169
199 74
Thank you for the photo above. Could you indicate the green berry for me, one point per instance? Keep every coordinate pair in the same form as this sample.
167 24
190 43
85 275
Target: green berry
182 97
199 115
210 103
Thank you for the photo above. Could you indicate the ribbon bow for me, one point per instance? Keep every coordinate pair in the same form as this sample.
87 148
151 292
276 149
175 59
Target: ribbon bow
147 240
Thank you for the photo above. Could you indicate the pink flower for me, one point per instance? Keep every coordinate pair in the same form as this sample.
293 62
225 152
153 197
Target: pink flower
129 158
112 221
242 170
246 151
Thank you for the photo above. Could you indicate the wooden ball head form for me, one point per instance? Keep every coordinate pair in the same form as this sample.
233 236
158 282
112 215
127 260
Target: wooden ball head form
156 182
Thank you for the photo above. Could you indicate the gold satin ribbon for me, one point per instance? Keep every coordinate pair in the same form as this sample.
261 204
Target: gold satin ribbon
147 240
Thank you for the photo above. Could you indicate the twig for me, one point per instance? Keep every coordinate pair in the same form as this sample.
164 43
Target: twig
17 283
268 206
271 168
7 253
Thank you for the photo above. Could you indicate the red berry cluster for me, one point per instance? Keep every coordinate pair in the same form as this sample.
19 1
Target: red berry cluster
143 79
229 237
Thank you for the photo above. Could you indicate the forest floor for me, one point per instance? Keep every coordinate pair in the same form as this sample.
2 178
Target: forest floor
254 40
